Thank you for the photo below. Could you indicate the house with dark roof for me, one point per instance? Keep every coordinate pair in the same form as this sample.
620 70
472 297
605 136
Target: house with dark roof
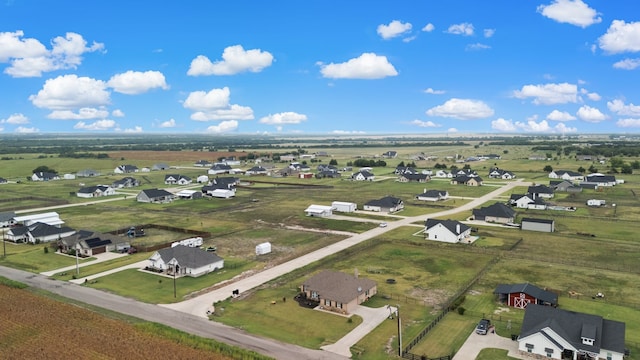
44 176
549 332
521 295
159 196
185 261
566 175
410 177
38 232
7 218
450 231
173 179
433 195
202 163
125 182
386 204
125 169
543 225
257 170
542 191
601 180
338 291
496 213
363 175
564 186
391 154
90 243
496 173
467 180
95 191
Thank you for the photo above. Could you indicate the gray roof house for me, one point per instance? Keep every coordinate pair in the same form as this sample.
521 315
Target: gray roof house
38 232
155 196
433 195
338 291
125 182
498 212
125 169
551 332
6 218
160 166
385 204
185 261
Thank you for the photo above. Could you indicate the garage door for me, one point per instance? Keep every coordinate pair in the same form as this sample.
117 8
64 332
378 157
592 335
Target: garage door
99 250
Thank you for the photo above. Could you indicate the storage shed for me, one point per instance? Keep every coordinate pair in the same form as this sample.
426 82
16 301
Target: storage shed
342 206
542 225
263 248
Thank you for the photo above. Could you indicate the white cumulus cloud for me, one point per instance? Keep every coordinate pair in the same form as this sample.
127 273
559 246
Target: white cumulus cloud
26 130
394 29
620 108
117 113
477 46
235 59
231 112
465 29
135 129
433 91
557 115
223 127
137 82
591 114
424 124
284 118
204 101
28 57
15 119
489 32
628 123
574 12
82 114
428 28
67 92
347 132
503 125
549 94
168 124
627 64
366 66
97 125
464 109
621 37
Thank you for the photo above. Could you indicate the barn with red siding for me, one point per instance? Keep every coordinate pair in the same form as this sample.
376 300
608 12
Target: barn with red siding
521 295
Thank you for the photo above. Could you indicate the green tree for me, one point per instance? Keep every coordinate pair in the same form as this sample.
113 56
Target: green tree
626 169
547 168
43 168
581 170
592 169
333 162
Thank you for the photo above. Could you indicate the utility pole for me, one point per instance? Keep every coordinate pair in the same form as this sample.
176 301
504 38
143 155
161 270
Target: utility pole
399 330
77 262
4 244
175 268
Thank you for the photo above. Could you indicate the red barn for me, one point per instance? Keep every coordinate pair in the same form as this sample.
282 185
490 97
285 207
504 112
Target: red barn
521 295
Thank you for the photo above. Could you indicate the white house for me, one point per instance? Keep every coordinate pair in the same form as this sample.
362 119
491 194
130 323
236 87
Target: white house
202 179
450 231
95 191
363 175
566 175
319 210
433 195
443 174
183 260
551 333
125 169
342 206
44 176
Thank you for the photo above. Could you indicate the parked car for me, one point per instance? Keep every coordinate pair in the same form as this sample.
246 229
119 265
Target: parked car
483 327
383 224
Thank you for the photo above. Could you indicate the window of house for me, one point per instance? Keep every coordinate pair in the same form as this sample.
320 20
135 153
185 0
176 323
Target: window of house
327 302
609 356
339 305
314 294
529 347
549 352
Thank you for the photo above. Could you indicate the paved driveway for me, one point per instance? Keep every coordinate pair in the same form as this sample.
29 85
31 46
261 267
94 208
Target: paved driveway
471 348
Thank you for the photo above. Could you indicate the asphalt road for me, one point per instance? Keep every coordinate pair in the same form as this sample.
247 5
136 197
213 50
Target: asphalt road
175 319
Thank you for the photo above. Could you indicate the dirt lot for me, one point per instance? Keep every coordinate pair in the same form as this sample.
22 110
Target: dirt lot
39 328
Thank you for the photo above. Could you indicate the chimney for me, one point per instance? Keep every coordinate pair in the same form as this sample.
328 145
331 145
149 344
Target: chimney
355 272
458 228
424 191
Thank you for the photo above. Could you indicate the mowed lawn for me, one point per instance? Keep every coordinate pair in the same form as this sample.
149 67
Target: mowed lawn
33 258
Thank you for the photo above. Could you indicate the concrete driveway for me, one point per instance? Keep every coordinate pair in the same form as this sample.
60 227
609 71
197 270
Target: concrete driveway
371 318
471 348
106 256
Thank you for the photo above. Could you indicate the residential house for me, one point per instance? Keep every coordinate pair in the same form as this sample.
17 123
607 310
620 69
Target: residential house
337 291
564 186
7 219
443 174
189 194
125 169
527 201
343 206
328 173
219 193
145 169
160 167
319 210
489 157
450 231
433 195
44 176
420 178
95 191
173 179
202 163
322 154
543 225
257 170
496 173
386 204
155 196
584 157
601 180
287 158
405 170
467 180
549 332
390 154
38 233
226 182
363 175
87 173
90 243
125 182
566 175
542 191
465 172
202 179
185 261
496 213
521 295
217 169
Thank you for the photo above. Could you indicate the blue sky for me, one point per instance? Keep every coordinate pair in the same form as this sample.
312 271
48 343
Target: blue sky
320 67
